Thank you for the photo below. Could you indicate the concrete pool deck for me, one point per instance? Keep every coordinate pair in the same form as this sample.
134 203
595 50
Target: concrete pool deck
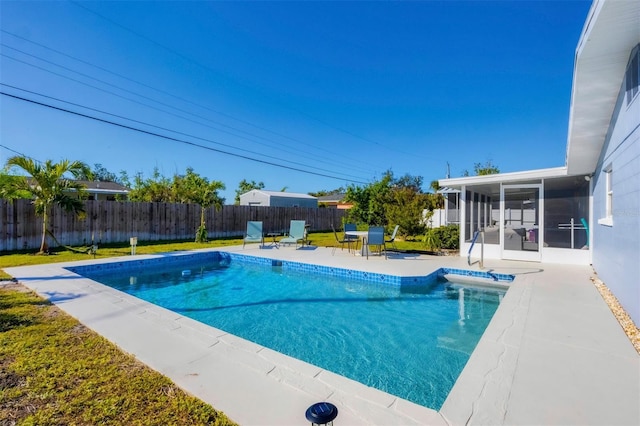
552 354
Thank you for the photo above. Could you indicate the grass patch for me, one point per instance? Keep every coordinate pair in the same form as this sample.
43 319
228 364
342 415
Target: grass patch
53 370
26 258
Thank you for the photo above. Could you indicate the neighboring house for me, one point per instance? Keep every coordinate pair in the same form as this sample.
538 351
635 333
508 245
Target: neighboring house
105 190
259 197
109 191
587 211
335 201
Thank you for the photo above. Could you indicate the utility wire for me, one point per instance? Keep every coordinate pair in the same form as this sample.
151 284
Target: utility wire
19 153
159 90
169 130
316 158
135 129
150 40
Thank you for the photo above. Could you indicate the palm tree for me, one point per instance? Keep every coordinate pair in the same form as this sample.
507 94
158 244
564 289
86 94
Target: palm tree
193 188
48 186
438 197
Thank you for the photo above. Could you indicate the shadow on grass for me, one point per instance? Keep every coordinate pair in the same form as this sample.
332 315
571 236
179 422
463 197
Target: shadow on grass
9 321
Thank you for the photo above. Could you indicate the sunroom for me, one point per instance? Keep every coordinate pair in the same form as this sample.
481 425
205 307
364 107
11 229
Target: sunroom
536 215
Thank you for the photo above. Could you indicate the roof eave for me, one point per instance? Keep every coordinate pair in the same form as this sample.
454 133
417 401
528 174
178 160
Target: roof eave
504 177
611 30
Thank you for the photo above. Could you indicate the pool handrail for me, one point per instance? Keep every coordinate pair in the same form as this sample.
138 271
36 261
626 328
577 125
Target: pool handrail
473 242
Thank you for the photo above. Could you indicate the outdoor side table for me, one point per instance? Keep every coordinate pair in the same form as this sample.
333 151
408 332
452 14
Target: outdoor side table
273 236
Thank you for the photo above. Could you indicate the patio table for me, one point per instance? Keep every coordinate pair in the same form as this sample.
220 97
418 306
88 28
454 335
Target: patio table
359 234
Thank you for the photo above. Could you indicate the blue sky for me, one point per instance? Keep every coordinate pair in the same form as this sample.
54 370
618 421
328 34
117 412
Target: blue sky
336 92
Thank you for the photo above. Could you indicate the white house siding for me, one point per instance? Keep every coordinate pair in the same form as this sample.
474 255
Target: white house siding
616 247
254 198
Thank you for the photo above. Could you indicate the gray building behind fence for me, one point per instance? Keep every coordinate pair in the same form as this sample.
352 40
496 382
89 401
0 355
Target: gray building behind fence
259 197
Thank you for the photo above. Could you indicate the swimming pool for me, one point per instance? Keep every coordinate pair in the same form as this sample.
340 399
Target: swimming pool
408 337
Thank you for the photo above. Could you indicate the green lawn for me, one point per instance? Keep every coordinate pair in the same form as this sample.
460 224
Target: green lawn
24 258
54 371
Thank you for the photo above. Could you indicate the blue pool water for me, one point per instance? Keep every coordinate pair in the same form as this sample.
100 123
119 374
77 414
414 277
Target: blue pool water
411 341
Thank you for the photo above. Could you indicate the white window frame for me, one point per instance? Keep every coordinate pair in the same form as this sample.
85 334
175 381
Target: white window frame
607 220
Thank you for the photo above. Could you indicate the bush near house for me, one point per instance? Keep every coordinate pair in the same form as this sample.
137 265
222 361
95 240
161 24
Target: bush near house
443 238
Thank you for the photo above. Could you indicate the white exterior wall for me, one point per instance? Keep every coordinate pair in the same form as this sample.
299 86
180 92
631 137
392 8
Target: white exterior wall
254 198
437 220
616 247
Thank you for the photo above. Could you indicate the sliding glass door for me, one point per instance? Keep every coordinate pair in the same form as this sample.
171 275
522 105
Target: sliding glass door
520 216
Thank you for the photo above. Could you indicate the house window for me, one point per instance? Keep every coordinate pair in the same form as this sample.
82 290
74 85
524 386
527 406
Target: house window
632 76
608 193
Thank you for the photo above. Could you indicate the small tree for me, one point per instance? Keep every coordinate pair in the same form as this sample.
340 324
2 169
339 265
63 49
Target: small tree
48 187
100 174
437 200
369 201
324 192
156 189
193 188
488 168
405 209
9 188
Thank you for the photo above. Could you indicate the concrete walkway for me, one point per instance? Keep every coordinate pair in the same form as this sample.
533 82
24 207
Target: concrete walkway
553 353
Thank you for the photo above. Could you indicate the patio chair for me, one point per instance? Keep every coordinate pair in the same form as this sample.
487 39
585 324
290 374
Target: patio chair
375 237
342 241
297 233
393 237
351 227
253 234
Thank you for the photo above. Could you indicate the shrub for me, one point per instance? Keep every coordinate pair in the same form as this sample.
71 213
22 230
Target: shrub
202 234
443 237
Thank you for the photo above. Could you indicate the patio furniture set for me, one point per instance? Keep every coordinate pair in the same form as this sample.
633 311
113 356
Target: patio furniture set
298 230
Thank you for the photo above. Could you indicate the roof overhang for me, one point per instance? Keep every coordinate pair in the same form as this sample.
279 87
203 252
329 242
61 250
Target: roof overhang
611 31
447 190
529 175
106 191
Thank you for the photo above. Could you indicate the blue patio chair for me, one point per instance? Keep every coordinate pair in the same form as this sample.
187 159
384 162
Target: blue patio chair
351 227
375 237
297 233
254 233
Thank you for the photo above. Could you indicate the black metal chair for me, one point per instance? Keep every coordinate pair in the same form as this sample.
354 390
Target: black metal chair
342 242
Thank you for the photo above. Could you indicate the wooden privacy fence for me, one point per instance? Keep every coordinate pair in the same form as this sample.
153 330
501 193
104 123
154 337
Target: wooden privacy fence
116 222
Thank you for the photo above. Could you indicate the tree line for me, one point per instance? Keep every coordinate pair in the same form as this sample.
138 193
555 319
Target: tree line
389 200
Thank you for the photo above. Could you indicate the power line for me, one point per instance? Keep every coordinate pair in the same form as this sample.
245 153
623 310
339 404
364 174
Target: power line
166 129
135 129
187 58
19 153
316 158
156 89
